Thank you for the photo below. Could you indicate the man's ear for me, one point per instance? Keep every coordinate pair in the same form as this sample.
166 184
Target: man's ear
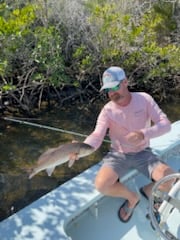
125 81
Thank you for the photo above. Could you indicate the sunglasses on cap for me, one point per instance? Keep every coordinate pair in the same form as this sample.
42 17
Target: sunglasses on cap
113 89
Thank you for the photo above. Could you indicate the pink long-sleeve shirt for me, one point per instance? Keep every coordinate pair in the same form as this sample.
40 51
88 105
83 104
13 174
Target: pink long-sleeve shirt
118 121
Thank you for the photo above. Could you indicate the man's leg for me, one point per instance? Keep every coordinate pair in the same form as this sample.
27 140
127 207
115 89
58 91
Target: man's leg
160 171
107 183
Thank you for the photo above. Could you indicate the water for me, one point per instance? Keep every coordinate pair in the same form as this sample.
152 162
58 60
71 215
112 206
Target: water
21 145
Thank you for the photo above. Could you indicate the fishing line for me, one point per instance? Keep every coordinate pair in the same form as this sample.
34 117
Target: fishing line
47 127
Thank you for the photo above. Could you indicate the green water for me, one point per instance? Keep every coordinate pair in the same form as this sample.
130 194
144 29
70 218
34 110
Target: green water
21 145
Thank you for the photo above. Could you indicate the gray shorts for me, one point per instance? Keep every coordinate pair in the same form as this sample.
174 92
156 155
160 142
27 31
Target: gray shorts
144 161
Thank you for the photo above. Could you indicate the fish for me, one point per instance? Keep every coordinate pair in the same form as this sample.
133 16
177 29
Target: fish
57 156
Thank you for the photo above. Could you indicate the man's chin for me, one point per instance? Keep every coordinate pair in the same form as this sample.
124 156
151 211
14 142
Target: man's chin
117 98
120 101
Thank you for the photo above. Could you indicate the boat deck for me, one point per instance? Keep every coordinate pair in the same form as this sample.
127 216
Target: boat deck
60 214
100 221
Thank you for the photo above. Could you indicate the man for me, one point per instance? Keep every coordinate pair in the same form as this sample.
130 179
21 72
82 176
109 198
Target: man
127 118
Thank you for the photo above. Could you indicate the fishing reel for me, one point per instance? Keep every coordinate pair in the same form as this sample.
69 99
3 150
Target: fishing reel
164 210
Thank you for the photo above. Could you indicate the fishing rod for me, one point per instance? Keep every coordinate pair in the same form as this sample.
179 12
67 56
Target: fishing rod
48 127
58 129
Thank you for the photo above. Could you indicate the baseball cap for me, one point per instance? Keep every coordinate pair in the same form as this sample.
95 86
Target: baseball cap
112 77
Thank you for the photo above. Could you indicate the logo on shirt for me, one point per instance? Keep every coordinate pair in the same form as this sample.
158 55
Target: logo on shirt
139 112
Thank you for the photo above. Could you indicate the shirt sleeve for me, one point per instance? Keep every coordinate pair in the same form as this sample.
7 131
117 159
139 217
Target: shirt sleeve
161 123
96 137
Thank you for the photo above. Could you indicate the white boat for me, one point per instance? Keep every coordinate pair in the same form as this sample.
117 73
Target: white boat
77 211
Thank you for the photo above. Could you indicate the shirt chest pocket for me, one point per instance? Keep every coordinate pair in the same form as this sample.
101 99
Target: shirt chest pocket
139 118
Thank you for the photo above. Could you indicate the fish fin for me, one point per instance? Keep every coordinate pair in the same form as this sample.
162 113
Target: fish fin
32 174
71 162
50 171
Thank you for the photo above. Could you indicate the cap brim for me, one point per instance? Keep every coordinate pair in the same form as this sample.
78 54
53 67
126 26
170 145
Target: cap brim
109 85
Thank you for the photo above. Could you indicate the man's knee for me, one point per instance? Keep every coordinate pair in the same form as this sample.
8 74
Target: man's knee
100 185
105 178
104 184
161 171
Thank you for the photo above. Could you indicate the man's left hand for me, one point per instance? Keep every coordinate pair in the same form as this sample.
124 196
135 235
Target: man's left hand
135 138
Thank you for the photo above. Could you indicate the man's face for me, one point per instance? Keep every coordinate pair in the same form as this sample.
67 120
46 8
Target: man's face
120 96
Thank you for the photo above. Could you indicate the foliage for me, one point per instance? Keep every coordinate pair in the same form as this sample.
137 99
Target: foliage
31 55
157 55
14 25
47 56
29 49
142 46
52 43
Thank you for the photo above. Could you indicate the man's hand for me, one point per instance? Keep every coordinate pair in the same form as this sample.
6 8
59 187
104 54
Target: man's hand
135 138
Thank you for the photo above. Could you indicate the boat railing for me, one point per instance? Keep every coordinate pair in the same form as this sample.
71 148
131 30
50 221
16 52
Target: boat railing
168 211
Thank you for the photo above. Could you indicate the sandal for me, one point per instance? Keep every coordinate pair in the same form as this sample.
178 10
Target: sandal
129 211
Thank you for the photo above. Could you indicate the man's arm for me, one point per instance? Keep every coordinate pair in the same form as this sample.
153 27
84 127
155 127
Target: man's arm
161 123
96 137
